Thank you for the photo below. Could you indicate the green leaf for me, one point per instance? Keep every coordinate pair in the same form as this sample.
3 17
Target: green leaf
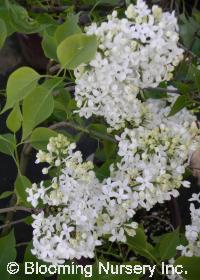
181 102
69 27
7 253
181 72
196 16
20 20
139 244
3 32
155 94
61 110
47 22
21 184
5 194
7 144
195 75
103 171
40 137
38 106
139 240
182 87
4 15
100 131
168 244
49 46
110 149
99 128
191 265
14 119
188 28
20 83
76 49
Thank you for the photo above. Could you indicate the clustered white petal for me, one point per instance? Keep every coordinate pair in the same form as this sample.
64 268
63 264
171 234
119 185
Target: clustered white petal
155 155
192 233
134 53
153 160
81 213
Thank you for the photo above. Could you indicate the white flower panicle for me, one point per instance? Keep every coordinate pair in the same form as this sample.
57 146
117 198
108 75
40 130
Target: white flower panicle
85 212
192 233
154 156
75 190
153 160
134 53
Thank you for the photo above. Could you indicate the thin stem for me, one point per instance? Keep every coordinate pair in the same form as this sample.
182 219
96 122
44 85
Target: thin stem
60 9
47 76
59 72
94 7
161 220
172 5
70 88
163 89
12 223
177 221
54 68
28 148
40 10
9 215
21 244
109 254
82 129
16 208
196 101
16 156
184 8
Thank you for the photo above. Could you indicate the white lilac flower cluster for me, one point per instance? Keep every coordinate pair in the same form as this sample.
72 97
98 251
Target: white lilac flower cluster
153 161
135 52
154 156
192 235
83 212
192 231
